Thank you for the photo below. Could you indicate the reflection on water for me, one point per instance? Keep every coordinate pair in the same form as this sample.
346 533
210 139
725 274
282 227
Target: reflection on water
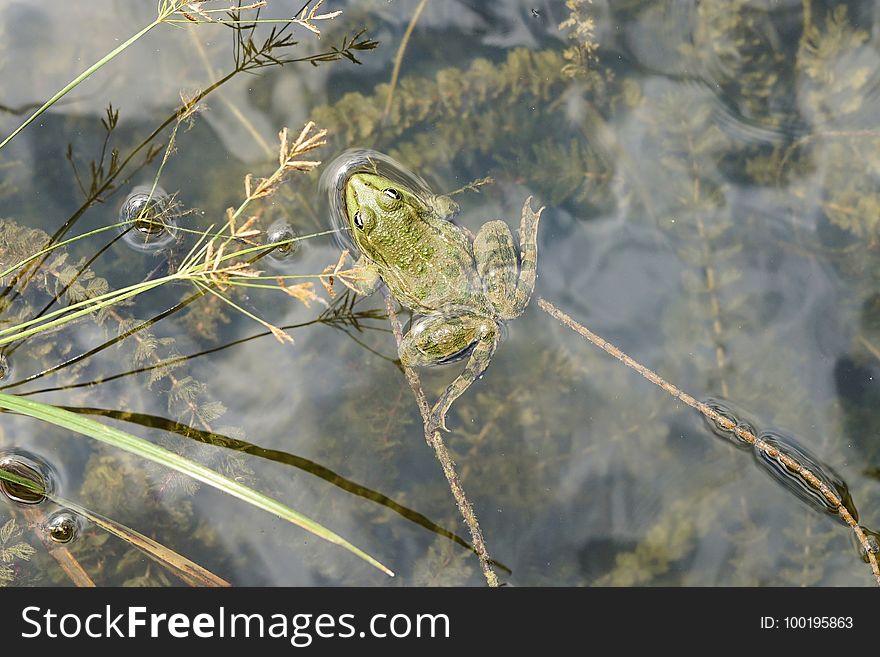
30 478
793 481
148 219
281 234
737 417
710 171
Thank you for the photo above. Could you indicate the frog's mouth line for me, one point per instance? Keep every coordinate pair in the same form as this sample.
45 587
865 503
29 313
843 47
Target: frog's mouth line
373 259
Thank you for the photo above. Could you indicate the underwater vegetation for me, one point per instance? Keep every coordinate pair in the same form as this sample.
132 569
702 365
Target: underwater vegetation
170 267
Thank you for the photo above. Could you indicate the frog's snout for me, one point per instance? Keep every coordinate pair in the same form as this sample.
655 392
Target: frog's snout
355 194
359 188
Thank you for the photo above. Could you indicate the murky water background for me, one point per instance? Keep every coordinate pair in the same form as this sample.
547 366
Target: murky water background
711 183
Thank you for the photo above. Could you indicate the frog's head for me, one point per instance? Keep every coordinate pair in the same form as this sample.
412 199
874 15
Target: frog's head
377 210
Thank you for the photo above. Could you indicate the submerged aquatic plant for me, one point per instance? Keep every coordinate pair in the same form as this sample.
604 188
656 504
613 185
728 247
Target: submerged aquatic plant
212 270
548 118
582 32
214 264
208 265
145 449
12 550
784 459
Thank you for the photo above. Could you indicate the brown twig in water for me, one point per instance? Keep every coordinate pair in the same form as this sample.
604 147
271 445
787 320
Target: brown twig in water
398 59
726 424
435 440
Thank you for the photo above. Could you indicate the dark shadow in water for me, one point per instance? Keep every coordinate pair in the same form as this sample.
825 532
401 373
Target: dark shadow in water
304 464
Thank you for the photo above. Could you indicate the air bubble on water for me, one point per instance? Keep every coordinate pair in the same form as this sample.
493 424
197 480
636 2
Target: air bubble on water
281 231
873 539
794 482
149 220
63 526
736 416
31 468
362 160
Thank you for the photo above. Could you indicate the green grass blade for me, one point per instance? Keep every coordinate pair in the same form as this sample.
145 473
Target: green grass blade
147 450
185 569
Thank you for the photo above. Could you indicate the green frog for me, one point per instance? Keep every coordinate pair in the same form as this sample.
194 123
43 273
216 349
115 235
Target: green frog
465 286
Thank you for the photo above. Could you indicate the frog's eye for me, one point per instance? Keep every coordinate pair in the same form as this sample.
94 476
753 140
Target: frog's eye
358 220
392 193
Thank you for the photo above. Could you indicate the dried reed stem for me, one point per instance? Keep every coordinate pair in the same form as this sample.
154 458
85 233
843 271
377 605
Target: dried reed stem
725 423
875 352
435 440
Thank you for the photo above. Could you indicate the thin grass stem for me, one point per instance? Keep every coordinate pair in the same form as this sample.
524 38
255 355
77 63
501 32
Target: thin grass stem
85 74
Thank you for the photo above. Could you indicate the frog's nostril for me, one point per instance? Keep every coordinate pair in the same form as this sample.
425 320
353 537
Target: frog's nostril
360 187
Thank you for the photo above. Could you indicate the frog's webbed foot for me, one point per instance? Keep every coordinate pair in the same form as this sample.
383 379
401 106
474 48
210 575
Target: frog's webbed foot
442 339
436 420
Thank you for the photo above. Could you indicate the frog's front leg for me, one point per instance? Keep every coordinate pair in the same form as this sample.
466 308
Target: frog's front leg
438 339
366 278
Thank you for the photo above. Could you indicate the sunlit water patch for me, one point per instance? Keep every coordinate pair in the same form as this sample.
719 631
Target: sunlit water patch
709 171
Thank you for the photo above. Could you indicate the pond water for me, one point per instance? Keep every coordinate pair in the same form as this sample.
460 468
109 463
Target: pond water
711 177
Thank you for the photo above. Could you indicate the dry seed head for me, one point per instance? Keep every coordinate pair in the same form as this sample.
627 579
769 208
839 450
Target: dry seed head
312 15
340 262
204 8
330 271
327 281
280 335
282 150
304 292
189 106
245 231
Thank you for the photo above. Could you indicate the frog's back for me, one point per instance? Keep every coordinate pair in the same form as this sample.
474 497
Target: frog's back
433 267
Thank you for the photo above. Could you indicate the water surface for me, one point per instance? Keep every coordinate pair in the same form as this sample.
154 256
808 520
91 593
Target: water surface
710 177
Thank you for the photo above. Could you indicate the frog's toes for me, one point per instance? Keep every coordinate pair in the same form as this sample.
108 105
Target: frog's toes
436 421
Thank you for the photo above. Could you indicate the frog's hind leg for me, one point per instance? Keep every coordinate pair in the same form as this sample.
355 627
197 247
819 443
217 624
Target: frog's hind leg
441 339
508 278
